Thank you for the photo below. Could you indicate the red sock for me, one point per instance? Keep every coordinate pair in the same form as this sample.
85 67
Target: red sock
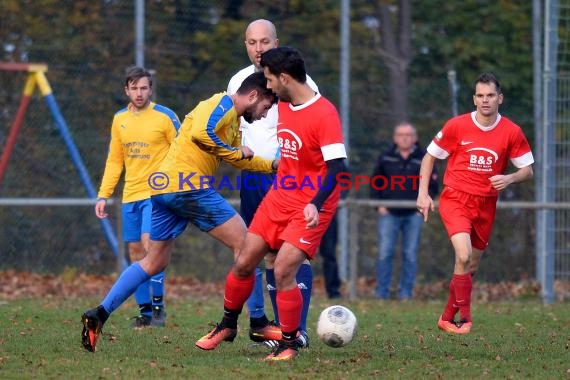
289 304
450 309
237 291
463 286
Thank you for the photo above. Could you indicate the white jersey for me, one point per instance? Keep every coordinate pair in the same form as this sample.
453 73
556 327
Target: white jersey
261 135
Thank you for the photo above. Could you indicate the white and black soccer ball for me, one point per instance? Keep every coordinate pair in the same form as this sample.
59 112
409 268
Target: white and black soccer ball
336 326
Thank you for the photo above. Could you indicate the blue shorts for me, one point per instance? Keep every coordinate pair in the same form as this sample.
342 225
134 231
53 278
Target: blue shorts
171 212
136 219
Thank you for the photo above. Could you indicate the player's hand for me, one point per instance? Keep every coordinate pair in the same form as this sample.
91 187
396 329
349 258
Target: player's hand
275 163
424 204
311 215
246 151
500 182
100 208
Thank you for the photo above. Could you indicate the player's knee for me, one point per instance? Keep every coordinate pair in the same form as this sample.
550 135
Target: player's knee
462 259
136 252
244 267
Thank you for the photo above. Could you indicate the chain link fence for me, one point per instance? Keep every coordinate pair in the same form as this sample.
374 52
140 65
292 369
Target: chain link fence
87 82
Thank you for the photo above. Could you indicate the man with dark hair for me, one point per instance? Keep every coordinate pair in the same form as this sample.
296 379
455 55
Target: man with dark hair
478 146
399 163
208 135
295 213
261 136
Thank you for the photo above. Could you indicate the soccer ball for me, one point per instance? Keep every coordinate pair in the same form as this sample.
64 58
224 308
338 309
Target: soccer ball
336 326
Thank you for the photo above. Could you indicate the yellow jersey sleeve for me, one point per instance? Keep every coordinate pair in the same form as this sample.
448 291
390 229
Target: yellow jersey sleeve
215 131
114 163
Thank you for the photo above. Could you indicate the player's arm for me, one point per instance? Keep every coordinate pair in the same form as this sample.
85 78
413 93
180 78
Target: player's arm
311 211
501 182
253 163
172 128
424 201
206 127
256 164
334 167
113 169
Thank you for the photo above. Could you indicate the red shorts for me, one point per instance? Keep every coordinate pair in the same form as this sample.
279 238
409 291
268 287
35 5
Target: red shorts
464 212
279 222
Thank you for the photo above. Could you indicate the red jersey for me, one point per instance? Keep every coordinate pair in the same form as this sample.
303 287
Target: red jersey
308 135
477 153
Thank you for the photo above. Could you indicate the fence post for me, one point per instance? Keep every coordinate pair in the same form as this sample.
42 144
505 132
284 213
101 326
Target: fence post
122 262
354 217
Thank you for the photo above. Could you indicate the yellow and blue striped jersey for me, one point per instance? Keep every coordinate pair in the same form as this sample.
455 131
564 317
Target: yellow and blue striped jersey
208 135
139 143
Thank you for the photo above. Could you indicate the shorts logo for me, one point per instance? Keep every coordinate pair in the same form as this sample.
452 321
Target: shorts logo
301 240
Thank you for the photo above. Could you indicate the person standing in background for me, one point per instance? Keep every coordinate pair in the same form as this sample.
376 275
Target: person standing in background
141 135
396 178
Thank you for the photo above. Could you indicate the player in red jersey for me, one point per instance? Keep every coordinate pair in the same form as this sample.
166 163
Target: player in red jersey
297 210
478 146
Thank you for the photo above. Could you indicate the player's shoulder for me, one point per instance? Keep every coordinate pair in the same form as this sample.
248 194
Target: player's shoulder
461 119
163 110
166 113
324 105
121 111
509 123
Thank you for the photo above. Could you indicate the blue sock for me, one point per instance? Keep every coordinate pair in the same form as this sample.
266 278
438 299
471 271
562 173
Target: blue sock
157 286
272 290
142 296
305 283
126 285
255 302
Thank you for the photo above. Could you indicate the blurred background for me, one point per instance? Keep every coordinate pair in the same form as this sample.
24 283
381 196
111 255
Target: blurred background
407 60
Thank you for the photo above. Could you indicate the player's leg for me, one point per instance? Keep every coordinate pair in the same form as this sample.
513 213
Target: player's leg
411 227
457 221
289 300
271 286
132 219
260 327
388 236
239 284
300 244
165 227
304 279
142 293
253 187
484 210
135 275
157 282
462 280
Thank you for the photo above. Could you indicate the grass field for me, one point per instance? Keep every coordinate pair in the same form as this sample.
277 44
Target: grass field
41 339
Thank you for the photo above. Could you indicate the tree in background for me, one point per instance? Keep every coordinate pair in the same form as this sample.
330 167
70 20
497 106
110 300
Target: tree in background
400 54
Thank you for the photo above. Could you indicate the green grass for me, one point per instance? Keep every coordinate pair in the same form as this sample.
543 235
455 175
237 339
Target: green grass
41 339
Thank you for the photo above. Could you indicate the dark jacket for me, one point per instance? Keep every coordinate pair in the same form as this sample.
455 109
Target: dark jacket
397 179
